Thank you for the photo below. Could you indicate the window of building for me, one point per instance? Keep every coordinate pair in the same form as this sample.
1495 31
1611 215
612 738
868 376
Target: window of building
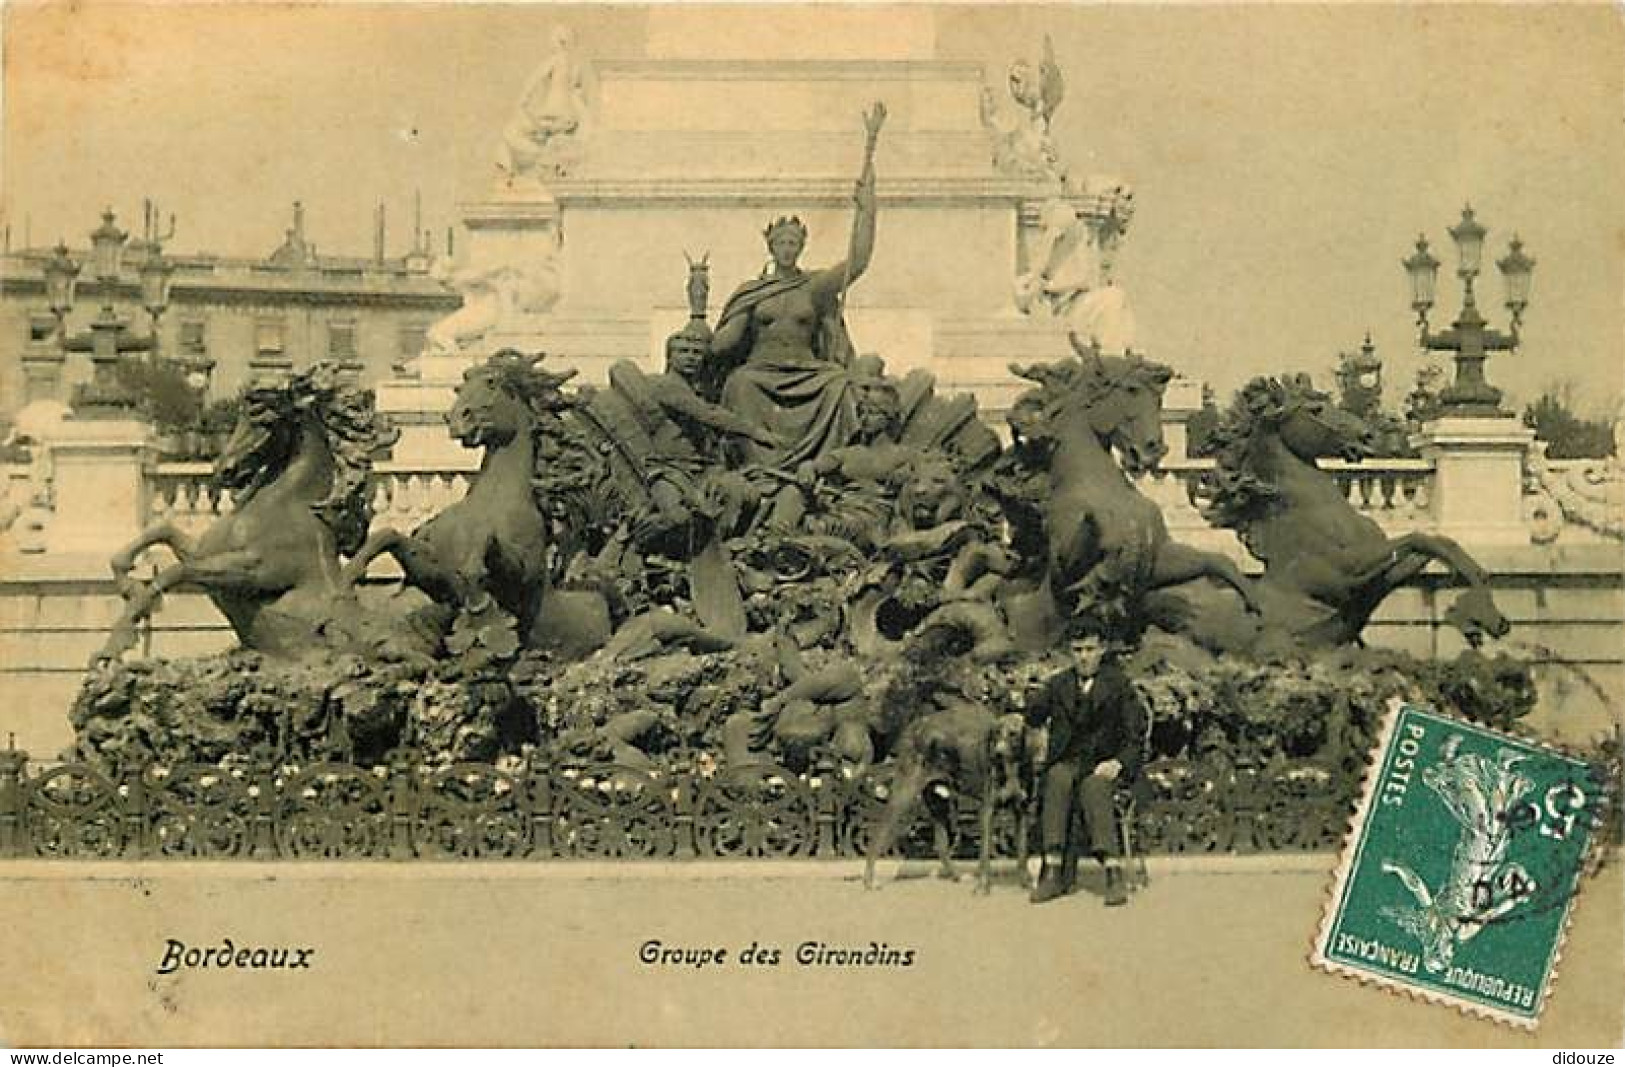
411 339
191 338
341 341
41 327
269 338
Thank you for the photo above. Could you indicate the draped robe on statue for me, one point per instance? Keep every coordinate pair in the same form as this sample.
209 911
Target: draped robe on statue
803 396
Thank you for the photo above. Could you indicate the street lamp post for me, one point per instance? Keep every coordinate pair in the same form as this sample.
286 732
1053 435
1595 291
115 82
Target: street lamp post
1470 338
155 273
61 277
109 338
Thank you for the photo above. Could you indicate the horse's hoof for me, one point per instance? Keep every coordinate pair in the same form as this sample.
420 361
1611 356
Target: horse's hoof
948 874
983 889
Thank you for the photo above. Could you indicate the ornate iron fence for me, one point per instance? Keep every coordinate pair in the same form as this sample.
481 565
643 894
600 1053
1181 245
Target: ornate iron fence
477 811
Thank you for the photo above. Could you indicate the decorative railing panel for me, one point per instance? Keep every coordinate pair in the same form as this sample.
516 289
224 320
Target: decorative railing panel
1396 493
404 495
185 494
476 811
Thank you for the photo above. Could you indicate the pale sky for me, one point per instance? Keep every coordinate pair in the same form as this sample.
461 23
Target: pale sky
1284 157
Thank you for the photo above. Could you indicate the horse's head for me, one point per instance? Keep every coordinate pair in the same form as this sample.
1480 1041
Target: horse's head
1305 419
275 422
1118 398
503 397
262 442
314 414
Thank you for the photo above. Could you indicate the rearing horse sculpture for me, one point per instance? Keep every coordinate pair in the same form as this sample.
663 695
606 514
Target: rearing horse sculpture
496 541
297 465
1326 566
1107 544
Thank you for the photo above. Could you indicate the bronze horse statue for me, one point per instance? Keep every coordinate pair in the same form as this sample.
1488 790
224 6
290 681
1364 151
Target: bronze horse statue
1326 566
1105 544
298 466
496 544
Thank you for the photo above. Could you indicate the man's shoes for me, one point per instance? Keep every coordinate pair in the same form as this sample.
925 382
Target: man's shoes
1051 884
1116 886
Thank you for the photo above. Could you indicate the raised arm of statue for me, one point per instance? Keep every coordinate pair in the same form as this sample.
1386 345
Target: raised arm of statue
828 285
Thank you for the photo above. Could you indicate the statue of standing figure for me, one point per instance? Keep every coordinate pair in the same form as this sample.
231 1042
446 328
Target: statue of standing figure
1071 273
551 117
785 337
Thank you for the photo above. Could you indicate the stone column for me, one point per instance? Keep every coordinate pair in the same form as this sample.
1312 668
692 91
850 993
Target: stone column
1181 400
98 468
1478 465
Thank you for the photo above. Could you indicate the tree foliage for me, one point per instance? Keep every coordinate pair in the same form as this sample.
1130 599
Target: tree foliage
1567 434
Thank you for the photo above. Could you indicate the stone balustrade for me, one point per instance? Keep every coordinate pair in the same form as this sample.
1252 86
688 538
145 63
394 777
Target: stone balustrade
1473 492
1399 494
1561 580
404 494
1395 493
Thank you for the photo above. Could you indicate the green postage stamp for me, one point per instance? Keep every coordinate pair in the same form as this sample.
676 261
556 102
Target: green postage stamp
1458 875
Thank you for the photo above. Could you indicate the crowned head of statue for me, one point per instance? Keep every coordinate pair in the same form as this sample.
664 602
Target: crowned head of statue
786 237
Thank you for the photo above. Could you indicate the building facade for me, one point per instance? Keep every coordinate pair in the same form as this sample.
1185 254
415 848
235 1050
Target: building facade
226 317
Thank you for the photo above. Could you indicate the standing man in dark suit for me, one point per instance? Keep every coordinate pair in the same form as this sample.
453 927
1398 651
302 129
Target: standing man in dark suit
1097 734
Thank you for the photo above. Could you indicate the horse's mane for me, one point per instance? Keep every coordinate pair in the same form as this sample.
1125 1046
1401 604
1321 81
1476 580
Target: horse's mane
522 376
355 434
1083 380
1236 498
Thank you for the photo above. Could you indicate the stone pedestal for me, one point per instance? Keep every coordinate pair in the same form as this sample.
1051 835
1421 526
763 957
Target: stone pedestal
42 373
731 118
98 487
417 407
1181 400
1478 477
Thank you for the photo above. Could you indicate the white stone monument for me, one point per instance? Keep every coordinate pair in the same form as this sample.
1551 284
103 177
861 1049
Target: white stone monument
734 117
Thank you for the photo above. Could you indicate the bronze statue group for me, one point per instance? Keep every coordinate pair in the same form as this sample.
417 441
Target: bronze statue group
777 500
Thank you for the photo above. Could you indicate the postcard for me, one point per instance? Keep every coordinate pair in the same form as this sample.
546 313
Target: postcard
811 524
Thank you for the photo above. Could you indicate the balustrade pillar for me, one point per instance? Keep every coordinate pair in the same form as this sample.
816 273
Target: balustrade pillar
1180 400
99 498
42 372
1478 477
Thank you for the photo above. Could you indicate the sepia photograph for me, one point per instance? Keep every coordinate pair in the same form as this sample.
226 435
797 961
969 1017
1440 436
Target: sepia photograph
811 525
